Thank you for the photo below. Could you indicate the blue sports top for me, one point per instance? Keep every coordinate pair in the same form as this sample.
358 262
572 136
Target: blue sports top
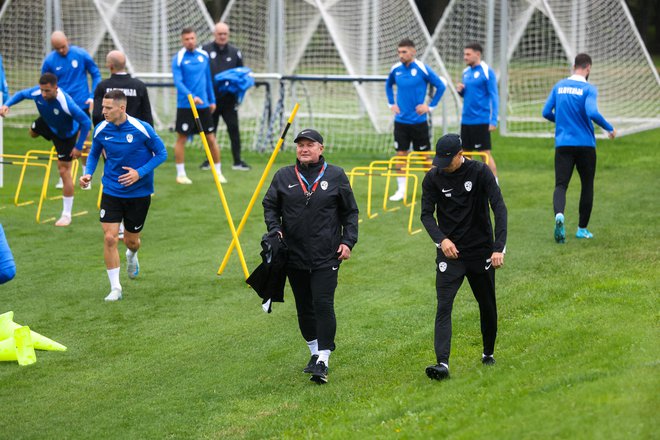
572 105
71 71
412 83
480 99
133 144
192 75
4 87
62 115
7 265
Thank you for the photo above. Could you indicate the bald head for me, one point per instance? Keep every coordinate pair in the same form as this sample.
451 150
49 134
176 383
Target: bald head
60 42
115 61
221 33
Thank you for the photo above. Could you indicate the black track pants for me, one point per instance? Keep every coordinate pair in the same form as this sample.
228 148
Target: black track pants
584 159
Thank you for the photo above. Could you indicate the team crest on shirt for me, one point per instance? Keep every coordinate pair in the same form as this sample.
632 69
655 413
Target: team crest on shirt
442 266
200 59
102 213
324 185
468 186
56 111
476 75
74 63
413 72
129 138
213 54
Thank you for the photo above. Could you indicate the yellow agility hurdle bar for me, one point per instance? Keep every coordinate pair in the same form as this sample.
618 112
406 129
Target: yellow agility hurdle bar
256 192
218 185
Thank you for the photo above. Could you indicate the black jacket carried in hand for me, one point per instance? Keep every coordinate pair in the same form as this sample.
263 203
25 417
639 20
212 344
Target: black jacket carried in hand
269 277
313 227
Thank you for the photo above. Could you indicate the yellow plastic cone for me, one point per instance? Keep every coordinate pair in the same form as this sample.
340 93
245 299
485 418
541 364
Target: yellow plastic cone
7 327
19 347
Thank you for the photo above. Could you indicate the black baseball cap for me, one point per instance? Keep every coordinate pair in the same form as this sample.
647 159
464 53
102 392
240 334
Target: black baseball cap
446 148
310 134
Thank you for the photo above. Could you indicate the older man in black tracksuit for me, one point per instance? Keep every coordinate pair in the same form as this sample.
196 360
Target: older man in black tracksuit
459 191
312 206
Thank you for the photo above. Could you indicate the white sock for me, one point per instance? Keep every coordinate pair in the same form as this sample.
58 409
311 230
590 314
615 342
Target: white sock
401 183
324 356
313 347
67 205
113 276
218 168
180 169
121 227
497 181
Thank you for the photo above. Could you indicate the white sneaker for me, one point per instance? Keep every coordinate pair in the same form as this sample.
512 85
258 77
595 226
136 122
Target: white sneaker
114 295
121 231
59 184
65 220
183 180
221 178
397 196
88 187
132 266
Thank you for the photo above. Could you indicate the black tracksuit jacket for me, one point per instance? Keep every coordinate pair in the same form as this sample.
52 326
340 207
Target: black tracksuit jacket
461 202
312 231
137 98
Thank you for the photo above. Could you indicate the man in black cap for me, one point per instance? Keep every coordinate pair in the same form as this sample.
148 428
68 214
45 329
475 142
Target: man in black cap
459 191
311 205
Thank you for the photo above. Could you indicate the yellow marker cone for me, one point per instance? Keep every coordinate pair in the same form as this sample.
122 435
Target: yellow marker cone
7 327
19 347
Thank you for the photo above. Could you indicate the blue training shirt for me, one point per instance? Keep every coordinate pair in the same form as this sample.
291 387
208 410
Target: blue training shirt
7 265
480 99
411 85
64 118
71 71
192 75
572 105
134 144
4 87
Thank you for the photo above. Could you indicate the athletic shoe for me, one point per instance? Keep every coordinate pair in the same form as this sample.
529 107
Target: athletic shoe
583 233
241 166
205 166
319 373
88 187
114 295
183 180
487 360
398 196
310 365
560 232
65 220
437 372
221 178
132 266
59 184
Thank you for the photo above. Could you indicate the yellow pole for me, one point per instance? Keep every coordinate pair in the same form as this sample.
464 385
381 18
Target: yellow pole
241 225
218 185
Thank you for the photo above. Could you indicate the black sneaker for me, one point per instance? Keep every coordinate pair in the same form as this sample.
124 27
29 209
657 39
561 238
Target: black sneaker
310 365
319 373
205 165
487 360
437 372
241 166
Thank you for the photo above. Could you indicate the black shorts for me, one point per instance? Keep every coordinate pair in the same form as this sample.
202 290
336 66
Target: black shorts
63 146
417 134
475 137
185 121
133 211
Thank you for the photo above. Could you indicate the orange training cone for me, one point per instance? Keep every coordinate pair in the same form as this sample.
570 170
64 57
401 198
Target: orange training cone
7 326
19 347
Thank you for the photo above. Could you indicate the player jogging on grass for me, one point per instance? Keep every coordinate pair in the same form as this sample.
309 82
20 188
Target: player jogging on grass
133 150
572 105
412 78
480 103
62 122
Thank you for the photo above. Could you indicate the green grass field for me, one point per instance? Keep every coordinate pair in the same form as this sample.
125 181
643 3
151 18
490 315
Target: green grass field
190 355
